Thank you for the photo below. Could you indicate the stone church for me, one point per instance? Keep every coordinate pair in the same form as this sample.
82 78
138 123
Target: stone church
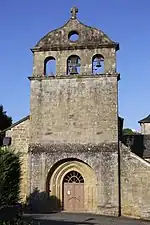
70 146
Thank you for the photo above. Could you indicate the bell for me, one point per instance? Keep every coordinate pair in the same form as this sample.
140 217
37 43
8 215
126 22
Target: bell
73 65
98 63
73 70
74 61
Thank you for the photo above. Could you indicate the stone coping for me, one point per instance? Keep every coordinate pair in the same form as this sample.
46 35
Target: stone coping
43 77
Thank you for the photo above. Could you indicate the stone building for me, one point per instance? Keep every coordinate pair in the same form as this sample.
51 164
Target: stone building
69 143
145 125
139 143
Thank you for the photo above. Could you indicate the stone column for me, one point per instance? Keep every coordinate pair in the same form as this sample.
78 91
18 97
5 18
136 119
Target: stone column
43 172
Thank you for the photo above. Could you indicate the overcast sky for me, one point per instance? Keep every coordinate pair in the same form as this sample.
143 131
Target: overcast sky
23 23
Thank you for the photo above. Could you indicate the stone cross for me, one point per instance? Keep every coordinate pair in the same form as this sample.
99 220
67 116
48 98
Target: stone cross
74 12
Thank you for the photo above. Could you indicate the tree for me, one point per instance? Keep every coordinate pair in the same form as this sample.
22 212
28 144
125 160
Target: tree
128 131
5 121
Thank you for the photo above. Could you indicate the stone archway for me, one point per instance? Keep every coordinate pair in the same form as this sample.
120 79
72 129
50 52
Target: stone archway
88 188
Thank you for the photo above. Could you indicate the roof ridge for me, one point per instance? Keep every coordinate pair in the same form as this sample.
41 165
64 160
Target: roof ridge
16 123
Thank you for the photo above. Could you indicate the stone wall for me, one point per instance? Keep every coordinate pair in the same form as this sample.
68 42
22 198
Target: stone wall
135 185
139 144
19 136
74 110
85 55
145 128
20 140
102 159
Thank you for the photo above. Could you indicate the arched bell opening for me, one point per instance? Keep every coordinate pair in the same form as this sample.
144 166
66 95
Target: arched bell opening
73 65
97 64
50 66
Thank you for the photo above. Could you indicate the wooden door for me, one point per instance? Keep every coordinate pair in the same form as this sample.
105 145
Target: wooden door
73 192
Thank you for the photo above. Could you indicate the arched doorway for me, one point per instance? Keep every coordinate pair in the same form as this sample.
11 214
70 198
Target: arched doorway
66 174
73 191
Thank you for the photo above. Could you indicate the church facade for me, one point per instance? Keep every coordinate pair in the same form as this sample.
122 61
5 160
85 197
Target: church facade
70 142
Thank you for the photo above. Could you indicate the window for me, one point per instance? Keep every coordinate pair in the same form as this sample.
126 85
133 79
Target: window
98 64
73 65
73 177
50 66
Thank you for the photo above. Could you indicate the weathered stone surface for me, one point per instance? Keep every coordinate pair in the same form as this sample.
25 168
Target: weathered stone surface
103 159
20 141
77 110
20 136
145 125
145 128
89 37
86 55
135 185
69 147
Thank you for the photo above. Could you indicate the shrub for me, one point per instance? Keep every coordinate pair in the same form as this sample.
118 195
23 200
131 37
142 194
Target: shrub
10 176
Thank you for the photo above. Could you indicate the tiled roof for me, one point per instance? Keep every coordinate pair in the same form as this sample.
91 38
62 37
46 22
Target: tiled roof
145 120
